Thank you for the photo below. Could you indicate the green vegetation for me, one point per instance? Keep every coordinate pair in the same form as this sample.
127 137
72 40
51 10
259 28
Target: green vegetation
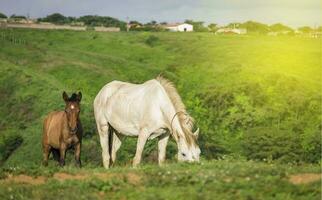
18 17
223 179
3 16
88 20
254 98
57 18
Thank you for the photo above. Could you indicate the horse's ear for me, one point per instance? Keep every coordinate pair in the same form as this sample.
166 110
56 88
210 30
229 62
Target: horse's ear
196 133
79 96
65 96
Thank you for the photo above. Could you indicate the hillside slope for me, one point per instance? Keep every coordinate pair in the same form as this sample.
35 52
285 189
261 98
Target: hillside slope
230 85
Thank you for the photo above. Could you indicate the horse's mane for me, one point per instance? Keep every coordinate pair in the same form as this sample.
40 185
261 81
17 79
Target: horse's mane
186 121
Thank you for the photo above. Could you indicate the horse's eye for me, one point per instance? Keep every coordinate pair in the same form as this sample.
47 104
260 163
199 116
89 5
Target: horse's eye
183 154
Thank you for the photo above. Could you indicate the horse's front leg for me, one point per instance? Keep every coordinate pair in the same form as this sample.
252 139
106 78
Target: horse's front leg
143 136
162 147
77 154
46 152
104 140
62 151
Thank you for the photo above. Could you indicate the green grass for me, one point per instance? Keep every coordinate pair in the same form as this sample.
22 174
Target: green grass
230 84
222 179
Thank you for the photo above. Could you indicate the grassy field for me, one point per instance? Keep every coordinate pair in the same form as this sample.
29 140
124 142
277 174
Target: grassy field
229 84
223 179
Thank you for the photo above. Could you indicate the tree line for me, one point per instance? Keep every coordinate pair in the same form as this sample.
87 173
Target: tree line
198 26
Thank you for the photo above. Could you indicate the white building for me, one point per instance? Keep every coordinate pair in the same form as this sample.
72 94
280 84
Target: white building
179 27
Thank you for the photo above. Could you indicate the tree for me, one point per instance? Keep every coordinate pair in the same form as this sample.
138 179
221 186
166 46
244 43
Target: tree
213 27
255 27
279 28
95 20
305 29
17 16
197 25
319 28
233 25
3 16
151 23
136 23
55 18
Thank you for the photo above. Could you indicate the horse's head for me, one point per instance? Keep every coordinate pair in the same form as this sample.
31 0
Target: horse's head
188 148
72 109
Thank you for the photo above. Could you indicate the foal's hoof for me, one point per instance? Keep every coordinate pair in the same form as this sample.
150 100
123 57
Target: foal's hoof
62 163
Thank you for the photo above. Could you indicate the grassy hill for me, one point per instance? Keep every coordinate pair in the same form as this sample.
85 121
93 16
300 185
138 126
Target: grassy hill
254 97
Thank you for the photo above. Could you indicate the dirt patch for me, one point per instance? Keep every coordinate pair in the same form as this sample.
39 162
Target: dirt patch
305 178
104 176
24 179
64 176
131 178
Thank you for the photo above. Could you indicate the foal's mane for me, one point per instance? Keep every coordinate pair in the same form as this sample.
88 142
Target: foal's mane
186 121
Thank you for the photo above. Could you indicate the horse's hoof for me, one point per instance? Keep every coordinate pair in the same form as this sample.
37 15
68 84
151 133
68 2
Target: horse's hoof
135 165
78 164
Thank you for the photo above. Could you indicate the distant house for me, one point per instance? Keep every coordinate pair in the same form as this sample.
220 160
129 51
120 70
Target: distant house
238 31
179 27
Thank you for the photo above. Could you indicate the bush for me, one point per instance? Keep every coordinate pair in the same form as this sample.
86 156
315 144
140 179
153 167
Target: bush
151 40
264 143
3 16
8 143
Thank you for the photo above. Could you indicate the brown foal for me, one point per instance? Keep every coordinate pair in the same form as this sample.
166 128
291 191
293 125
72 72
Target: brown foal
63 130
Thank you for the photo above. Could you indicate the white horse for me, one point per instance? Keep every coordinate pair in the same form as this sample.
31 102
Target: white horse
149 110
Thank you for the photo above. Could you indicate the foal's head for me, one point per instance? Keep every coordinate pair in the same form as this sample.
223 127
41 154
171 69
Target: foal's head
72 109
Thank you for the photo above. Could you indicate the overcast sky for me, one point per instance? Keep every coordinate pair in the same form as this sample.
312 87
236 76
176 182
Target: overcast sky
291 12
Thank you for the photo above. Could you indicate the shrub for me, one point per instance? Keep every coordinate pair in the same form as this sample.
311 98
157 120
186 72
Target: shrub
264 143
151 40
8 143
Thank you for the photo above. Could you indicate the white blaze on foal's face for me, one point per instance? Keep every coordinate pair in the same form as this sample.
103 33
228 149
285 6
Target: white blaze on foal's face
72 111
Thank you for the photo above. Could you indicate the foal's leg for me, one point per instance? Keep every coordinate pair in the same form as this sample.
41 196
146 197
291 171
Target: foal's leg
103 132
55 153
115 146
62 152
162 145
143 136
46 152
77 154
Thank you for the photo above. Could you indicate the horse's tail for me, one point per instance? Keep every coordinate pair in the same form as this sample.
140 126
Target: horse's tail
110 142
